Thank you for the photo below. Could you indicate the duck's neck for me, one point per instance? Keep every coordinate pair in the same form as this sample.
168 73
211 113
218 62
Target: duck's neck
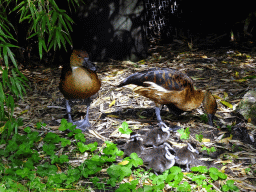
166 130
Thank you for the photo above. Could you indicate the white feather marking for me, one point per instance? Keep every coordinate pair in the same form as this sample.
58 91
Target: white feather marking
154 86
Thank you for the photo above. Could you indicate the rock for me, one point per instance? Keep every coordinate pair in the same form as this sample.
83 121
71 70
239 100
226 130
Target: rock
247 106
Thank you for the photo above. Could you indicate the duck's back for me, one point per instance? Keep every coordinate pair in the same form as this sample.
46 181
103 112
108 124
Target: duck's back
169 79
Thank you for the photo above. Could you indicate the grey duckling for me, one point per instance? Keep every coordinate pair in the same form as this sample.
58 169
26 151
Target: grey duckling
162 162
134 145
157 136
149 154
186 155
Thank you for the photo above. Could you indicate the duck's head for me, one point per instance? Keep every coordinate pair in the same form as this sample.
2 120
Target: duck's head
192 149
210 106
80 58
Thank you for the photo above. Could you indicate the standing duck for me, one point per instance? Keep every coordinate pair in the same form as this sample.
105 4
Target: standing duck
79 81
171 88
186 155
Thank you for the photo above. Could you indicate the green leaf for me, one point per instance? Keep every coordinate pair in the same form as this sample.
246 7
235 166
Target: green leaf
80 136
93 146
125 128
65 142
34 34
54 17
184 133
68 21
52 138
230 186
20 5
11 56
10 104
40 47
23 172
201 169
5 56
49 148
82 147
199 179
184 187
63 159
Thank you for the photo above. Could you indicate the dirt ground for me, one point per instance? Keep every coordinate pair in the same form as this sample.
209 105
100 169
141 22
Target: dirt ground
221 71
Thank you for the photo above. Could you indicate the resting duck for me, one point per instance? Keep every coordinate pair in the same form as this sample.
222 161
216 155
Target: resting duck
134 145
186 155
162 162
157 136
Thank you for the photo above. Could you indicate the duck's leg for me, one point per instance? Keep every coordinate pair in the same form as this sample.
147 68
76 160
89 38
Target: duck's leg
210 119
68 109
158 116
82 124
159 119
161 123
187 167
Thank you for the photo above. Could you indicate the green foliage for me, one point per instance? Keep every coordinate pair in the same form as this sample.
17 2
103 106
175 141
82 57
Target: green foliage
229 127
127 187
49 24
65 142
125 128
175 176
82 147
215 174
204 118
229 186
24 165
39 125
96 183
184 133
199 137
184 187
209 150
117 174
65 125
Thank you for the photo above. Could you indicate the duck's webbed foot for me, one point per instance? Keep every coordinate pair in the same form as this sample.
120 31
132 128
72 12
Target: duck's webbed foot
84 123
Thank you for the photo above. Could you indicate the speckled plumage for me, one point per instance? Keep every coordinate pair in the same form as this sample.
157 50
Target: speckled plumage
172 88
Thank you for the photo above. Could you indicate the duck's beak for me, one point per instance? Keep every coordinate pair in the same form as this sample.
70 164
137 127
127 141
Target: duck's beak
89 65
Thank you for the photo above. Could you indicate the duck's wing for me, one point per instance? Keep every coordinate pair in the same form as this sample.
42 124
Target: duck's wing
169 79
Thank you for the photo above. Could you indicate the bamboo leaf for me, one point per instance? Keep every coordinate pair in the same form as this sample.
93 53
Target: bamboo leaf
10 53
5 56
227 104
2 95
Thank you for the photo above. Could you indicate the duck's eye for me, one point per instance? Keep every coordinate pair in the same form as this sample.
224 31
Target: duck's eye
79 56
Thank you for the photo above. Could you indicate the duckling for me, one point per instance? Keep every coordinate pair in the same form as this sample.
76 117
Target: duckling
186 155
134 145
157 136
148 155
162 162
